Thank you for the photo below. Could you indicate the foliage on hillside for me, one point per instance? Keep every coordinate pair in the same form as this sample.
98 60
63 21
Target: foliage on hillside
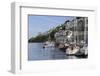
51 32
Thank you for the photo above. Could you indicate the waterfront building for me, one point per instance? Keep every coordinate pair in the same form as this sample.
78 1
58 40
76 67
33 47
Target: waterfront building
75 31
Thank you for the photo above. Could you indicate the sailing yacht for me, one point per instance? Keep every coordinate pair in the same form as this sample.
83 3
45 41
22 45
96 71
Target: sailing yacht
72 48
76 48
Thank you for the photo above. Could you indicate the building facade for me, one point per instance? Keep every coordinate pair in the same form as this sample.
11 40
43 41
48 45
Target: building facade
75 31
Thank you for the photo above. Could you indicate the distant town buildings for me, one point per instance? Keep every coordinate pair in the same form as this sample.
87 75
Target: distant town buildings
75 31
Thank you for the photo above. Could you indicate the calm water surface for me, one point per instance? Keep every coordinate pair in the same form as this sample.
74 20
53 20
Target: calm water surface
37 52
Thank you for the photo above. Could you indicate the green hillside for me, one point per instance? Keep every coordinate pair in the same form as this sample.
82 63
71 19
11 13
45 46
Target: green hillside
51 32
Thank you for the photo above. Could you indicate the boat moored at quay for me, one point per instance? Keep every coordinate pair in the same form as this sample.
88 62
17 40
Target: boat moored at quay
73 40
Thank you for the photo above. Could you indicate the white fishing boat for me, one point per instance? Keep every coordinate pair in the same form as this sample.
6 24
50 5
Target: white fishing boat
49 43
72 50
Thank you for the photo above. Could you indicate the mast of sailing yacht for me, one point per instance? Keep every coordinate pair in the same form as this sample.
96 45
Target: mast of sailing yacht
85 31
75 32
49 38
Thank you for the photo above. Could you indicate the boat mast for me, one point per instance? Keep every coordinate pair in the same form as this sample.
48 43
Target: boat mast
77 31
74 25
49 38
85 30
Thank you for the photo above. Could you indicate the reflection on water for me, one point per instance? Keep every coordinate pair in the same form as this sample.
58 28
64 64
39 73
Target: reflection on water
37 52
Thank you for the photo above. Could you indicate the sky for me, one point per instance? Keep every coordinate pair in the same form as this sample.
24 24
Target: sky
40 23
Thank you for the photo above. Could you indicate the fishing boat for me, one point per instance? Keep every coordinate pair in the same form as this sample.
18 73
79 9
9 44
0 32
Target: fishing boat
49 43
72 50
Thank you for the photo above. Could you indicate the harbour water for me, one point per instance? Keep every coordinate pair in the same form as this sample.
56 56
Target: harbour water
37 52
